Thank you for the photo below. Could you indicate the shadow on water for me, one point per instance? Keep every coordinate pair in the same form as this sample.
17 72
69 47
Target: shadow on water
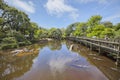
57 61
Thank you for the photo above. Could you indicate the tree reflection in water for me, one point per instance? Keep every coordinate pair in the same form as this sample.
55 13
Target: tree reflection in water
18 67
12 67
62 59
54 62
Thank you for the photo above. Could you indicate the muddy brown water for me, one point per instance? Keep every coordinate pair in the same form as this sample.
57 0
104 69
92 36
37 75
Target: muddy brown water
55 61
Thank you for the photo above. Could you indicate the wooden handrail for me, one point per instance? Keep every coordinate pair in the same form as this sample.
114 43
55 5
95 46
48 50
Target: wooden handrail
97 40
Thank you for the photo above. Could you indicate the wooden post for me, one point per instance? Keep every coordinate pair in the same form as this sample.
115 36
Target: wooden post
91 46
86 44
99 47
115 47
118 56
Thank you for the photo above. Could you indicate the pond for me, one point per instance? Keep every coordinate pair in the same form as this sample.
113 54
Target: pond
57 60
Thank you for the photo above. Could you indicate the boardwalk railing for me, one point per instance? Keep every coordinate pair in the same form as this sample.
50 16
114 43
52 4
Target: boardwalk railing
100 45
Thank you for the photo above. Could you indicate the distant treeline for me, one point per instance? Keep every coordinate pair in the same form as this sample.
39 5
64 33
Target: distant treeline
17 30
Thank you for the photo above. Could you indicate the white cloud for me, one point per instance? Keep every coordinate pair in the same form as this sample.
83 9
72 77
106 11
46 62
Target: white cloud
112 17
102 1
26 6
58 7
87 1
74 15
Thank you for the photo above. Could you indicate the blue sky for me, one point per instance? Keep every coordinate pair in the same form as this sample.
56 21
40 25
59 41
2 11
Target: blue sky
61 13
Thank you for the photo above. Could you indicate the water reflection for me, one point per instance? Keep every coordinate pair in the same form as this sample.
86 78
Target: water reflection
54 62
14 66
55 45
10 70
106 65
58 61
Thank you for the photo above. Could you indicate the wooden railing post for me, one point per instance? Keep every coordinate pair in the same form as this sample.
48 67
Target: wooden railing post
99 47
91 46
118 56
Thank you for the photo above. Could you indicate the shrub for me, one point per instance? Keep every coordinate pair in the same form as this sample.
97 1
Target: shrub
24 43
9 40
9 46
117 35
8 43
19 37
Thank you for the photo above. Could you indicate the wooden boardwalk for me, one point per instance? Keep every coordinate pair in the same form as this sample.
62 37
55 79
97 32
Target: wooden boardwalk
102 46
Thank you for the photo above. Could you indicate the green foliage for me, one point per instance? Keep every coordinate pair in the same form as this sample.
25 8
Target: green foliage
55 33
33 31
16 26
9 46
117 34
2 35
100 31
108 24
109 32
26 42
1 20
96 31
71 29
37 33
63 33
94 20
9 42
44 33
19 37
51 32
80 29
117 27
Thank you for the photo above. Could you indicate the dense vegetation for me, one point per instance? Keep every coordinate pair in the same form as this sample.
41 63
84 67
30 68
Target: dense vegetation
16 29
94 28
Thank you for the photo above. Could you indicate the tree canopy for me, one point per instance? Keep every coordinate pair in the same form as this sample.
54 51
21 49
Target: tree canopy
94 28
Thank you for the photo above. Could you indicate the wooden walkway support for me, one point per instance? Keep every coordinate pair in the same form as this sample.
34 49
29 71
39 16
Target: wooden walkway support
110 47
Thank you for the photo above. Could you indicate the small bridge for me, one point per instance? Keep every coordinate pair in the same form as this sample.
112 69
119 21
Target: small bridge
102 46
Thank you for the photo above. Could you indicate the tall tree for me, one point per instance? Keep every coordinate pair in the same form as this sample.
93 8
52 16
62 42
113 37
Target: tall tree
117 27
32 30
55 33
108 24
94 20
71 28
80 29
